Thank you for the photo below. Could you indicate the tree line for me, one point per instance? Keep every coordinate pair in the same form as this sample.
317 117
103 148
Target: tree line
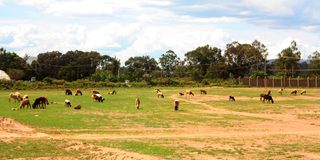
204 62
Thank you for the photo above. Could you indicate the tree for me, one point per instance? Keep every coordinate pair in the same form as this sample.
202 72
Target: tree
314 65
288 60
15 66
263 50
168 62
200 59
243 59
47 64
110 64
140 65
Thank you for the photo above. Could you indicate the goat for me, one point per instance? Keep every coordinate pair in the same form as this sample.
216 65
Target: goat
43 101
67 103
68 92
262 95
78 92
268 98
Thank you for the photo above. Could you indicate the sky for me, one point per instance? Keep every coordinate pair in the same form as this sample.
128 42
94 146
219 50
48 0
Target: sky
127 28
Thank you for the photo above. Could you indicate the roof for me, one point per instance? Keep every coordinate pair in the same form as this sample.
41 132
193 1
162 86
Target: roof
4 75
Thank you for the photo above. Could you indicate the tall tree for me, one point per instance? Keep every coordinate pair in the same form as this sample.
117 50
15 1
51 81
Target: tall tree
314 65
288 60
140 65
200 59
168 62
243 59
47 64
15 66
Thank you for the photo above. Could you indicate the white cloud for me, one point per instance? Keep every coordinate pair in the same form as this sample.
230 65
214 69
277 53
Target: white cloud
274 7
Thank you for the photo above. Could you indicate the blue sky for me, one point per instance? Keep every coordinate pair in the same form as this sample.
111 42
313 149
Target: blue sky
126 28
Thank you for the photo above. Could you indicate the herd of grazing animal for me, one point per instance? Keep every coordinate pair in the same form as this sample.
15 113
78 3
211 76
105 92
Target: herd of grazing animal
41 102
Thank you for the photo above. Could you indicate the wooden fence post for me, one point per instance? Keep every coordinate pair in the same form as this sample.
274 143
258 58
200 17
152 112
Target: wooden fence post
281 82
273 81
298 81
239 80
308 84
265 82
257 81
249 81
316 82
289 81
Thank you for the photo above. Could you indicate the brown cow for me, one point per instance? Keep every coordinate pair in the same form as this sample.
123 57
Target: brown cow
16 96
25 102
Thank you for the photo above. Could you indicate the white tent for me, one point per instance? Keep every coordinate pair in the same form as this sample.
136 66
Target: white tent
4 75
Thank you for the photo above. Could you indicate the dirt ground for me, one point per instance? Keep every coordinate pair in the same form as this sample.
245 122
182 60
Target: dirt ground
250 133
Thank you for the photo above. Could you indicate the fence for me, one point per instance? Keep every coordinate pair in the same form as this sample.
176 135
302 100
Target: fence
279 82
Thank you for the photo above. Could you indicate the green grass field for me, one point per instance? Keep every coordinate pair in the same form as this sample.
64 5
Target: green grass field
206 126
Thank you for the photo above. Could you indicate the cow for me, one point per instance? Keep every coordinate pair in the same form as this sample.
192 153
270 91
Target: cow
67 103
231 98
16 96
189 92
77 107
78 92
202 91
138 102
97 97
303 92
68 92
294 92
176 105
43 101
25 102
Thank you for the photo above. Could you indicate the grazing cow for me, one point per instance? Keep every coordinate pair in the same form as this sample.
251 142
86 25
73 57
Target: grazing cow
43 101
68 92
181 94
280 91
268 98
160 94
78 92
16 96
262 95
95 92
113 92
77 107
294 92
176 105
67 103
189 92
202 91
303 92
25 102
138 102
231 98
97 97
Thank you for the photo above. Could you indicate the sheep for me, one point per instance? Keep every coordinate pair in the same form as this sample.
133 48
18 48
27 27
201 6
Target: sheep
77 107
16 96
25 97
231 98
113 92
138 102
202 91
303 92
268 98
67 103
68 92
157 90
176 104
262 95
280 91
97 97
160 94
43 101
25 102
294 92
78 92
189 92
